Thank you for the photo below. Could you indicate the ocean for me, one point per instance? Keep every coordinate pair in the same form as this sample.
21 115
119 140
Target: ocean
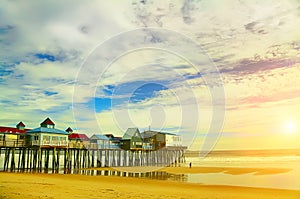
278 169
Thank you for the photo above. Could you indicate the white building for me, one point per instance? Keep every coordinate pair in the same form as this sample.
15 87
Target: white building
173 140
47 135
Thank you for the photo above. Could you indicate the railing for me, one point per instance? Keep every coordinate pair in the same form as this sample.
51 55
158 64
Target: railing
77 145
46 142
13 143
35 143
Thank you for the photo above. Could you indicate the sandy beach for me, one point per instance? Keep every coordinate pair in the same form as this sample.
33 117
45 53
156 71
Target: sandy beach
26 185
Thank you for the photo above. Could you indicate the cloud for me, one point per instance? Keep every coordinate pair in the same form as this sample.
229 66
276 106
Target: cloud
255 27
248 66
263 89
56 54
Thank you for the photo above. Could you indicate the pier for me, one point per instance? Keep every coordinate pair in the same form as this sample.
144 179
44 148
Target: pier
56 160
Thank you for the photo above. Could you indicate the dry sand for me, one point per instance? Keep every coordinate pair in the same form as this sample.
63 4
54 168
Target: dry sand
26 185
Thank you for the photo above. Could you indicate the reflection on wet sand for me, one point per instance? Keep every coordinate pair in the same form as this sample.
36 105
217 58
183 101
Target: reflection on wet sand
158 175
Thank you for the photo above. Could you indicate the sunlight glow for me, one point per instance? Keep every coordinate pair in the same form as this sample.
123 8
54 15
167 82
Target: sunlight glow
290 127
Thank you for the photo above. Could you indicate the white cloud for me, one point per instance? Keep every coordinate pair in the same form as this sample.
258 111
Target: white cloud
72 31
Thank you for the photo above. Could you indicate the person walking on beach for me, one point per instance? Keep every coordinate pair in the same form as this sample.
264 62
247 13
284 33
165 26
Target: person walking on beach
190 164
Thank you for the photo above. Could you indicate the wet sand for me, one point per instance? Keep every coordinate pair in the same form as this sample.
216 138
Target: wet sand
227 170
26 185
198 170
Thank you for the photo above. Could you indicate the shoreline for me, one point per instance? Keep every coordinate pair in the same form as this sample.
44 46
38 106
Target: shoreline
195 170
39 185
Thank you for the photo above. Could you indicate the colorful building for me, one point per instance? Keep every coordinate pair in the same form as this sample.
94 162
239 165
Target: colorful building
10 136
114 141
155 140
78 140
131 140
47 135
99 141
173 140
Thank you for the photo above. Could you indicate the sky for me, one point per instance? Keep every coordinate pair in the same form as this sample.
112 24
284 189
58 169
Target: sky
222 74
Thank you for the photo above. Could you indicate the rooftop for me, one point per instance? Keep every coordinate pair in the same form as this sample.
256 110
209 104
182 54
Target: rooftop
79 136
130 133
20 124
48 121
69 129
47 130
4 129
99 137
149 133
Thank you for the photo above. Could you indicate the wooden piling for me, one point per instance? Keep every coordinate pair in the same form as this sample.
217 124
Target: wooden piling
36 159
12 165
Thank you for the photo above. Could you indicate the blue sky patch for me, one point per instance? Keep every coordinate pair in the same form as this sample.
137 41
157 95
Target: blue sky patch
193 76
46 57
125 93
5 72
100 104
5 69
5 29
49 93
108 90
146 91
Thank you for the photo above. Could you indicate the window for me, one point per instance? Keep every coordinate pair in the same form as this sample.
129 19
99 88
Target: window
63 140
46 139
54 140
36 137
51 126
93 141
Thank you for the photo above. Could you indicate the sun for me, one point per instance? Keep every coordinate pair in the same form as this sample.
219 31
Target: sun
290 127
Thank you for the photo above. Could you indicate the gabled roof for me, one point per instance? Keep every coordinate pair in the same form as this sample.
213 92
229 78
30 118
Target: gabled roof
12 130
48 121
168 133
47 130
99 137
78 136
131 132
148 134
69 129
21 124
109 135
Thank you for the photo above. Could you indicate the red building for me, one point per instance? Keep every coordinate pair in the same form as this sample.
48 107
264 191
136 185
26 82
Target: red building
13 136
77 140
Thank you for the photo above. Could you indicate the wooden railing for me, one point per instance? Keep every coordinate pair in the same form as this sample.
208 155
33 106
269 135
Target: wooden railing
13 143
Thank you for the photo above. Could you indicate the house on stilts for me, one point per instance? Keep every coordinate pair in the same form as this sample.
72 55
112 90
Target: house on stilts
47 135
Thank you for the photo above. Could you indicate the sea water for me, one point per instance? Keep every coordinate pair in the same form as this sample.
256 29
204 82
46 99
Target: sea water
286 160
